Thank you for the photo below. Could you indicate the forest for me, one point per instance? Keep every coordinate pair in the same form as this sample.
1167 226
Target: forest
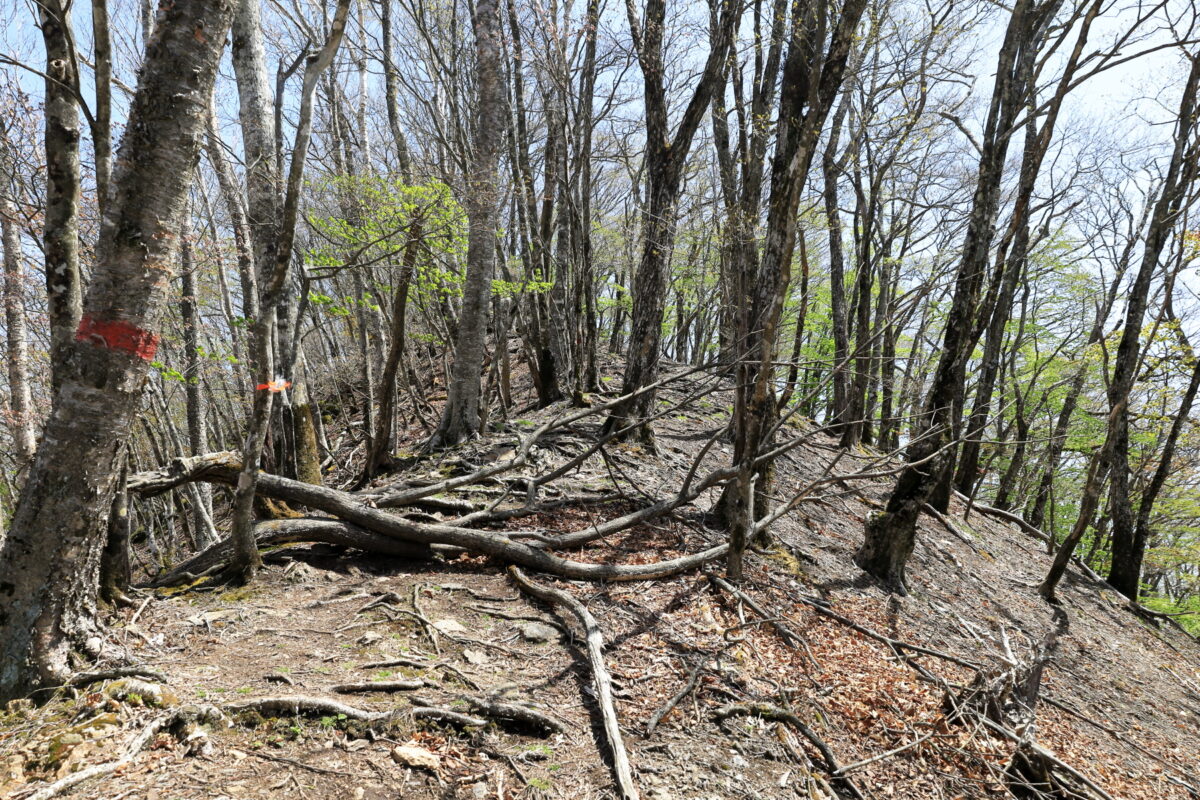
770 360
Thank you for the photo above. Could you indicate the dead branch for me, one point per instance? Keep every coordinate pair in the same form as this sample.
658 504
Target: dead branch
595 651
896 645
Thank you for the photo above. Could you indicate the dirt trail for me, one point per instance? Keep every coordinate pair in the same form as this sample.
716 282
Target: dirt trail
1120 700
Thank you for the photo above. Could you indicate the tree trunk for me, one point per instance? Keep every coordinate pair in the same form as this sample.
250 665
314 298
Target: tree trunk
51 557
63 186
23 425
891 534
665 157
1128 546
460 419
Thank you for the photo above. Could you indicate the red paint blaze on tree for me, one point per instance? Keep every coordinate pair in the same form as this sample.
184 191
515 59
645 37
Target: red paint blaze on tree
118 334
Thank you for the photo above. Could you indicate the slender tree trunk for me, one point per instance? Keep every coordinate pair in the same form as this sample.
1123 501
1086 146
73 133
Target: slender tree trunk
378 457
189 310
891 535
273 279
60 236
23 424
811 80
102 129
1128 547
460 419
50 560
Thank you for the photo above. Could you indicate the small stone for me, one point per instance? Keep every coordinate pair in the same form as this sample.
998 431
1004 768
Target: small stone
538 632
739 762
411 756
449 626
475 657
370 637
479 790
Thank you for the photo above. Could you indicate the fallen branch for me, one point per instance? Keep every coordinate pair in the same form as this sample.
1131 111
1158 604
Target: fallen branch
595 650
895 644
294 763
1008 516
950 526
688 687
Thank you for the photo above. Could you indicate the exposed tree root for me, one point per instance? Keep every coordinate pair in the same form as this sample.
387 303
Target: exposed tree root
186 715
421 708
777 714
515 713
221 468
378 686
81 679
300 705
595 651
293 531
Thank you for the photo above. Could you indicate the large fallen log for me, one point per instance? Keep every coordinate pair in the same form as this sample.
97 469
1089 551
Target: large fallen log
223 468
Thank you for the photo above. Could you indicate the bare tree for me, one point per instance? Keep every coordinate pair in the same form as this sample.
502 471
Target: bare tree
460 418
50 559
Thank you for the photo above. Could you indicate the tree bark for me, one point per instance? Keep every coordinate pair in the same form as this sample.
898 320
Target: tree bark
60 238
460 418
1129 543
50 559
23 424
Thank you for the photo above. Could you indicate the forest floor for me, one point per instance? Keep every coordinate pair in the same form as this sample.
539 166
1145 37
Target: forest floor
1120 700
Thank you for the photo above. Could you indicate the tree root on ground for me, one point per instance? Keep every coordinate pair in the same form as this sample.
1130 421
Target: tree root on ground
183 717
595 651
220 468
378 686
82 679
421 708
777 714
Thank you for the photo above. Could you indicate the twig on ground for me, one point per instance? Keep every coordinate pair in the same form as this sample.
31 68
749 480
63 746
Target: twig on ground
293 762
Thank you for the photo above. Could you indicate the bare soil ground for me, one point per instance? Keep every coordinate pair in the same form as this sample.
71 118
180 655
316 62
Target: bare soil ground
1120 699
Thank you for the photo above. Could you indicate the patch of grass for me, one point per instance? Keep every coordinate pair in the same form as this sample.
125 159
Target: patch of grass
245 690
238 595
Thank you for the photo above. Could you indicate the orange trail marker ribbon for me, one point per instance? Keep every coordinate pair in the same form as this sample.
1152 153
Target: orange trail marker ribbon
275 386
